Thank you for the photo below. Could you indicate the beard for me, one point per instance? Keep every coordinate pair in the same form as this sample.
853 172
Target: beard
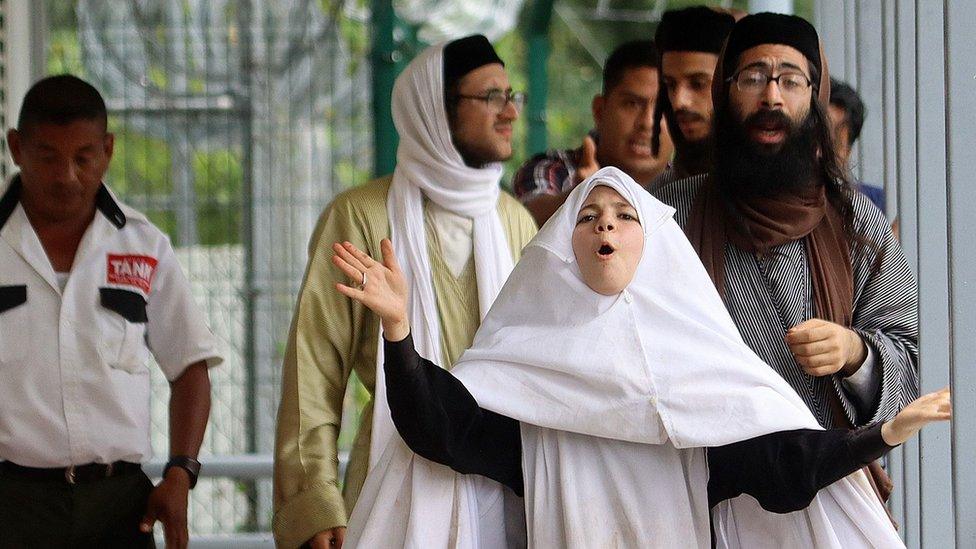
478 156
693 154
747 168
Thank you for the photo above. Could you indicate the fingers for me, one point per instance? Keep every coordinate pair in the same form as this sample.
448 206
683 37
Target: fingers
362 256
146 525
938 405
389 256
824 346
353 273
810 331
175 533
343 252
350 292
589 154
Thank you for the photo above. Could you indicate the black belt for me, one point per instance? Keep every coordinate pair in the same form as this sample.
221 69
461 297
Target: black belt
71 475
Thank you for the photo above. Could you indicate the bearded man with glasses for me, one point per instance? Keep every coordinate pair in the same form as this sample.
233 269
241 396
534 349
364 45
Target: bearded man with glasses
457 236
808 268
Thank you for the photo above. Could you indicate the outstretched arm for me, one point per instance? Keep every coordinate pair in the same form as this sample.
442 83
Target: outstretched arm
433 411
785 470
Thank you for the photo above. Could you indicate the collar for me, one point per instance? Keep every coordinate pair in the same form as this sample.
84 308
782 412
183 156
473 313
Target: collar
104 202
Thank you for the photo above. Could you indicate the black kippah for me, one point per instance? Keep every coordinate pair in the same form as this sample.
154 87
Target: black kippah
772 28
693 29
465 55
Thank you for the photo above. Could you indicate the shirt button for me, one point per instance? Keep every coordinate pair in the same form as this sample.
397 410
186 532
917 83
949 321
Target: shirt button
627 297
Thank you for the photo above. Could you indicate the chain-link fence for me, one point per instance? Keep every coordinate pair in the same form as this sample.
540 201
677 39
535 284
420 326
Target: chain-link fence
235 123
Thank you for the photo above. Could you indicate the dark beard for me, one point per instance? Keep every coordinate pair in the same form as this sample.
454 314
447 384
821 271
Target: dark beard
746 168
691 157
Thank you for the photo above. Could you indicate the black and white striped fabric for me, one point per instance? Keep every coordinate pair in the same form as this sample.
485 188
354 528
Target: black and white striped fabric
767 295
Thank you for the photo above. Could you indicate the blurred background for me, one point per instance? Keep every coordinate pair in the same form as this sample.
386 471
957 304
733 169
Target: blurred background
236 121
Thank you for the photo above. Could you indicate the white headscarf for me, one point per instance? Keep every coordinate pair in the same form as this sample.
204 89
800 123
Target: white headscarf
616 395
429 165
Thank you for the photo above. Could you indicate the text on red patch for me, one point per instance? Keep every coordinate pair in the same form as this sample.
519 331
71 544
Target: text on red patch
131 270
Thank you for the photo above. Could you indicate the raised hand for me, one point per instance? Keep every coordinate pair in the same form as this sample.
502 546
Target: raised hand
925 409
588 164
379 286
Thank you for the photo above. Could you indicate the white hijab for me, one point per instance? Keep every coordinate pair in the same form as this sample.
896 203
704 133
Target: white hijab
429 165
616 396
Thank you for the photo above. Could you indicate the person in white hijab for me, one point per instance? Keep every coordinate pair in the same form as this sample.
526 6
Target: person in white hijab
594 390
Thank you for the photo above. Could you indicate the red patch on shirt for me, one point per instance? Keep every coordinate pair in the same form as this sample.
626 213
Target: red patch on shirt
132 270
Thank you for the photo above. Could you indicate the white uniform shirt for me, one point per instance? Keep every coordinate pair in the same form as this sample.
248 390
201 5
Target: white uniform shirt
75 385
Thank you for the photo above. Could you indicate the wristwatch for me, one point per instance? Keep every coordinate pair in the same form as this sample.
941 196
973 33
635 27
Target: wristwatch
188 464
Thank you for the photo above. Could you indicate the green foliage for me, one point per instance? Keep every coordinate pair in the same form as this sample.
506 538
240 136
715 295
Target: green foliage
218 182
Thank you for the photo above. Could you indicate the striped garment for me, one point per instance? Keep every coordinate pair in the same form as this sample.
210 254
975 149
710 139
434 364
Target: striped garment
767 295
666 178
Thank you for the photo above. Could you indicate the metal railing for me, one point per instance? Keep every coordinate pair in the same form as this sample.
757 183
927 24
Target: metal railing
239 467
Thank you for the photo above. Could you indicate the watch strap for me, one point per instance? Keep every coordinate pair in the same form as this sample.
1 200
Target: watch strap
188 464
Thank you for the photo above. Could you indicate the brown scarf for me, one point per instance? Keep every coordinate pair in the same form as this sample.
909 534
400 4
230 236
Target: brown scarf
773 222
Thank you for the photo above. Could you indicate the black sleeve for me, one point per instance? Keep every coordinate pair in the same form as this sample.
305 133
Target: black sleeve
785 470
440 420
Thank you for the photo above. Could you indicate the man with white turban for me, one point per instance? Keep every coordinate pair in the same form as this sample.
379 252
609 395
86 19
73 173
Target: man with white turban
457 236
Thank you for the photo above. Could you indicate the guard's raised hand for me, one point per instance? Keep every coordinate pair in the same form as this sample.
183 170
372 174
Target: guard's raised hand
379 286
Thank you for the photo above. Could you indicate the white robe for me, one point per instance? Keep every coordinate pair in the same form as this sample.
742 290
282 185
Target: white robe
616 396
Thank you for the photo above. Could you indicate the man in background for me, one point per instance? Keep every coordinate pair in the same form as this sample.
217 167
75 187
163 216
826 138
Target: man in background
689 40
622 118
847 113
455 234
807 267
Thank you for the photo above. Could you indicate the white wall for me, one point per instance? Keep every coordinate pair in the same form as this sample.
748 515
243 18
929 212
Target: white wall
914 64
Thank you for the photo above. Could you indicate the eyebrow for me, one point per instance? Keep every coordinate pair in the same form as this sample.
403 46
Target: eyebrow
486 91
48 148
618 204
632 95
782 65
696 74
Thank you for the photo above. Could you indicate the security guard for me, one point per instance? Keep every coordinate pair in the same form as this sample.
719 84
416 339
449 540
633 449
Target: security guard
88 287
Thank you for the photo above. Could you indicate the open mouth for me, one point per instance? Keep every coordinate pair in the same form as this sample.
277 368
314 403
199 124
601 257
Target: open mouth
769 133
640 147
606 250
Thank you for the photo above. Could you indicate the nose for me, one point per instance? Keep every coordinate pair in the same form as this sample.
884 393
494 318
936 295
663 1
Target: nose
510 112
646 118
681 97
68 171
772 96
605 225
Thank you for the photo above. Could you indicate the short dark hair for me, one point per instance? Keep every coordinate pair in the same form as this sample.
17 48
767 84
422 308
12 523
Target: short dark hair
629 55
844 96
60 100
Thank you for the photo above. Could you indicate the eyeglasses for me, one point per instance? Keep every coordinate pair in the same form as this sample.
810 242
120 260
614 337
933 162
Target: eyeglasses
499 99
755 81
